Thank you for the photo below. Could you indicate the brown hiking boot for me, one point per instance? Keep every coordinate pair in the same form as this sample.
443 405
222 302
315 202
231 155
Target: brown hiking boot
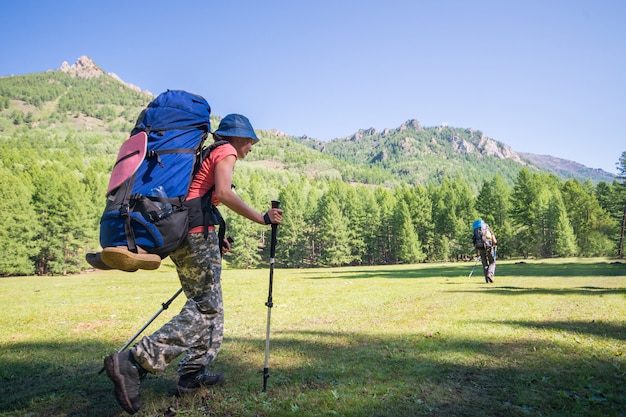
126 376
190 383
125 260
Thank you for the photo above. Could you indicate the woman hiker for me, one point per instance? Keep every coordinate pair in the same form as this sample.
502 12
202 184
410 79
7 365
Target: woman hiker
197 331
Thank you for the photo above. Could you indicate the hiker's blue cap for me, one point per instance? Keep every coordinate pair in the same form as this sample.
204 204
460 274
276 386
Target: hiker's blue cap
478 223
236 125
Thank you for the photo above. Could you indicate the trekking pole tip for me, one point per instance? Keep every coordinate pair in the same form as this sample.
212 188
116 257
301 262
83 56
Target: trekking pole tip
266 375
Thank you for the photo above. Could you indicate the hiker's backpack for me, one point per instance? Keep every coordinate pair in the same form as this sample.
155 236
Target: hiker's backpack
151 176
482 235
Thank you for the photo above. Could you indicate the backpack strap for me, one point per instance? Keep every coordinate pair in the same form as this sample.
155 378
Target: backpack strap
148 129
202 211
213 217
125 214
205 153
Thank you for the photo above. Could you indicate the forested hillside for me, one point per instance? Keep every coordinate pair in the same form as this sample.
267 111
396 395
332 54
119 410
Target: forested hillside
428 154
398 196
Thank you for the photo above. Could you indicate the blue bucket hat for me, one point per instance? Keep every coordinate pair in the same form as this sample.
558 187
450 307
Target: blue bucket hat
236 125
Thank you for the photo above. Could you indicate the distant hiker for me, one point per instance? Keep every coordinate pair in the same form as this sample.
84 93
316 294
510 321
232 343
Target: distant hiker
485 242
198 329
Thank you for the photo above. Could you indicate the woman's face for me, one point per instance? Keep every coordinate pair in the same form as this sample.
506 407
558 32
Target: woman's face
243 146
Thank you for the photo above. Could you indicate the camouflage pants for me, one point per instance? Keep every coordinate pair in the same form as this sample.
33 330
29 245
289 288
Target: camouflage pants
199 327
489 263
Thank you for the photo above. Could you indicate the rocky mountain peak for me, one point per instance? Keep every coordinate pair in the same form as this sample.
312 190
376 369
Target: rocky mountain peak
84 67
412 124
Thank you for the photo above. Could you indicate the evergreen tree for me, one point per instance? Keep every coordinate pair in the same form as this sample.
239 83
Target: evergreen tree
294 229
420 210
94 182
406 245
333 233
61 206
18 227
453 214
560 240
385 202
529 202
591 224
440 248
358 220
493 202
605 195
370 226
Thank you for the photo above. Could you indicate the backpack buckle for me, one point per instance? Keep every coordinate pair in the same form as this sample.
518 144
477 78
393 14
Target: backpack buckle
124 210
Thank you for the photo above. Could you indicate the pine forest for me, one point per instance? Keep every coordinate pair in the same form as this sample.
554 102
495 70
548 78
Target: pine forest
407 195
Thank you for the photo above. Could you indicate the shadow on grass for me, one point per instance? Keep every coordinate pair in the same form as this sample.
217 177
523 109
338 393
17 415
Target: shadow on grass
351 374
586 290
591 328
543 270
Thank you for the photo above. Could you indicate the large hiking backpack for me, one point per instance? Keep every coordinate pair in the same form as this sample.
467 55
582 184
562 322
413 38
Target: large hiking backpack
151 176
482 235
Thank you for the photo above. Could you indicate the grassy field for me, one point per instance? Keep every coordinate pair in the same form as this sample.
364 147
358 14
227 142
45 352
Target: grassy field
548 338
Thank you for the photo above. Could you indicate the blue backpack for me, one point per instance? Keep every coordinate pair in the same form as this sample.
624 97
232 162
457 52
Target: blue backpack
481 237
151 176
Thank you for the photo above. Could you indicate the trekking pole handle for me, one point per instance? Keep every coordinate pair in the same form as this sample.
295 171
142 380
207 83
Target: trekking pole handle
275 204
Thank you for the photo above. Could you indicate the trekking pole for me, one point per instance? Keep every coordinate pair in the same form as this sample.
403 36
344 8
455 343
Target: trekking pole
269 303
475 263
164 306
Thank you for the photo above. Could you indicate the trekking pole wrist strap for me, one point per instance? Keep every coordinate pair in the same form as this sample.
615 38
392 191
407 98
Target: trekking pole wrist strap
266 218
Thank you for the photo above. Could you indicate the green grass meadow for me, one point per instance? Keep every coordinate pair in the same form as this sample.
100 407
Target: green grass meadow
548 338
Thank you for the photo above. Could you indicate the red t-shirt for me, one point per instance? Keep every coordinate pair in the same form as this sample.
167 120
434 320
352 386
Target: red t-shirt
205 178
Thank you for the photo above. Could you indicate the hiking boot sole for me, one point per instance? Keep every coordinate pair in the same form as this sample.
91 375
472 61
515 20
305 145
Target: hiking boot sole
112 367
125 260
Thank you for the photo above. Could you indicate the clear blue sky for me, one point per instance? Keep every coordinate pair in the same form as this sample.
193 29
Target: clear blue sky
542 76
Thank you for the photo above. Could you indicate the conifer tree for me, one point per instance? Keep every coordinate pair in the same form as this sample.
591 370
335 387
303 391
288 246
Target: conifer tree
61 207
370 226
406 245
529 202
333 233
560 240
420 210
385 201
358 219
18 227
294 229
590 222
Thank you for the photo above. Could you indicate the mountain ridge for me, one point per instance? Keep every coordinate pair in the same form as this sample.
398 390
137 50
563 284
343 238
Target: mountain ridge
410 151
